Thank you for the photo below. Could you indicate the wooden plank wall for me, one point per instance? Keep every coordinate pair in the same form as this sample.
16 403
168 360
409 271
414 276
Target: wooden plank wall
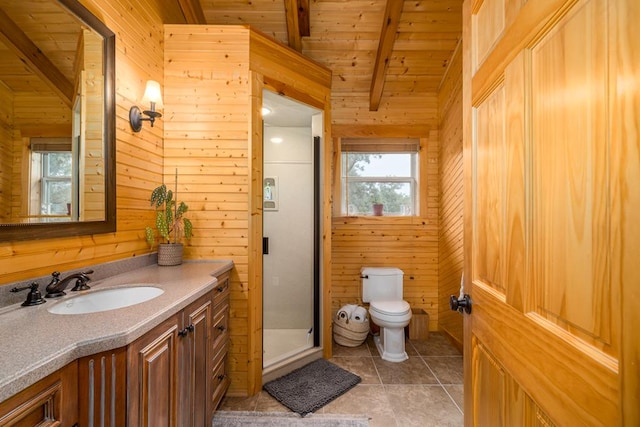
91 176
408 243
139 57
451 255
6 151
207 139
214 77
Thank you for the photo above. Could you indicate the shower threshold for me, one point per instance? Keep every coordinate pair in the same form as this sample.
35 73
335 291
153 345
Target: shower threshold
282 344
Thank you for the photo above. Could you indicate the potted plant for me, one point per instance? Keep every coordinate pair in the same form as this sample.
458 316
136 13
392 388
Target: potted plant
171 225
377 208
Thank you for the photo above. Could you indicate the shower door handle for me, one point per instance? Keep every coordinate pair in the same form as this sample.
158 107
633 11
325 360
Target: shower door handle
265 246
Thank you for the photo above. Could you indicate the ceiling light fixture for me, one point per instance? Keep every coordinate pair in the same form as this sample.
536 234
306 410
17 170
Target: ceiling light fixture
152 95
266 111
276 140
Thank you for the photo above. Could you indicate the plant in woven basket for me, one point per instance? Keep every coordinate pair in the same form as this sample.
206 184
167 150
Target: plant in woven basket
171 225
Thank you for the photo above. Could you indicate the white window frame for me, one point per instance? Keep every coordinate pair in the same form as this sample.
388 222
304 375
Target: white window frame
381 146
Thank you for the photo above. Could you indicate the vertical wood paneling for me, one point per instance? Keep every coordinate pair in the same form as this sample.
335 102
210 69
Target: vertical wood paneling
451 222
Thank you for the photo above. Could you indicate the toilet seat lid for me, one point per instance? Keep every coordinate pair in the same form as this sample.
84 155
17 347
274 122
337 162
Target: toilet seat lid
391 308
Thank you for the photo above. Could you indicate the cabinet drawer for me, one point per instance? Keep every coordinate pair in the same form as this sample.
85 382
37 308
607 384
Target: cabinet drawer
221 291
220 327
219 382
52 401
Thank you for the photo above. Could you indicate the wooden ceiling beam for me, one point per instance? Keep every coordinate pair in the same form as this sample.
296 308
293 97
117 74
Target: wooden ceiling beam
390 23
303 18
35 59
298 26
192 11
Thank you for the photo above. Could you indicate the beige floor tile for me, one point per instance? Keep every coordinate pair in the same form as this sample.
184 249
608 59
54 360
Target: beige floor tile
365 399
423 405
361 366
239 403
266 403
457 394
436 345
448 369
411 371
391 394
342 351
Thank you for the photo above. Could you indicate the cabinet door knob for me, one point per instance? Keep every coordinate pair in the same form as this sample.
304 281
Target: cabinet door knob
186 330
221 328
221 377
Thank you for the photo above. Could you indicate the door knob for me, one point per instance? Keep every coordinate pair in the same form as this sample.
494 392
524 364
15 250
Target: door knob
463 304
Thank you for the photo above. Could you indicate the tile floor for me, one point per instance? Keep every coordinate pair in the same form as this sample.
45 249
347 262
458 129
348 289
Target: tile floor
425 390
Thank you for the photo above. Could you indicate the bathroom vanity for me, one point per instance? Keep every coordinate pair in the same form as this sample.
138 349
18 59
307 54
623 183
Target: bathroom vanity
147 364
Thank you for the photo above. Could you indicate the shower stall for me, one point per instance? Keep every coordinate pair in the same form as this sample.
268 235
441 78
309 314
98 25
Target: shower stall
290 230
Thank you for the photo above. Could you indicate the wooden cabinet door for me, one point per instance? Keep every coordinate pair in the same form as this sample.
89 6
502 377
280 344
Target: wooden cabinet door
153 377
195 382
552 243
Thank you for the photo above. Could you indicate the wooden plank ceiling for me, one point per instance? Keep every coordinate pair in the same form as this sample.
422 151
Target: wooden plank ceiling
31 59
393 47
374 47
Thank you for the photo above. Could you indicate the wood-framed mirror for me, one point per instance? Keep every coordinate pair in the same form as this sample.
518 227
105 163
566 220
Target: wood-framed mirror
57 121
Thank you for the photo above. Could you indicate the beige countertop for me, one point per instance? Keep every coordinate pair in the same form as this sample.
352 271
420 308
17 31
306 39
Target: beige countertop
36 343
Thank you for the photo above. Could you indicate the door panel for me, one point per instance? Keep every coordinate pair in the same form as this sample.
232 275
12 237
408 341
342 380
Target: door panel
572 197
549 111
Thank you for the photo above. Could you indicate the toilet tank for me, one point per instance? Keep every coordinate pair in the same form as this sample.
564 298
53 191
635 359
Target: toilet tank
381 284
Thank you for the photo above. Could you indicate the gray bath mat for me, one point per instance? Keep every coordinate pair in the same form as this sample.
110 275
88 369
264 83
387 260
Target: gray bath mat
312 386
286 419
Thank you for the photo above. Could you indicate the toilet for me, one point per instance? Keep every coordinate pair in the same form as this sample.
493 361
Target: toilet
382 289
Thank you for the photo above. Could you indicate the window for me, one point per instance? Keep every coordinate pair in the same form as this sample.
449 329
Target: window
380 171
56 183
51 172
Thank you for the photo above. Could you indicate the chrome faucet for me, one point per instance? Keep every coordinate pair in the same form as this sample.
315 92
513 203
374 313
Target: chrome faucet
56 287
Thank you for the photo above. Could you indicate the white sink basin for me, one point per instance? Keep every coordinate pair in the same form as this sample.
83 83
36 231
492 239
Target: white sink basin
108 299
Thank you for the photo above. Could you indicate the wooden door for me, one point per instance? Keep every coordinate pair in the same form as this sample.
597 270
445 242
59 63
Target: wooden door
552 212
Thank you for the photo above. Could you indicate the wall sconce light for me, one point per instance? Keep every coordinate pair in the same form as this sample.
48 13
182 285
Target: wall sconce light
153 96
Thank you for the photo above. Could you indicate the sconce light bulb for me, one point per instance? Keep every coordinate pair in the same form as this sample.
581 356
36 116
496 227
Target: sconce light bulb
152 92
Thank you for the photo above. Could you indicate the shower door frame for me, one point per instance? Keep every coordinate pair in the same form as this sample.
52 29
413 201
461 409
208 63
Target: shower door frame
316 256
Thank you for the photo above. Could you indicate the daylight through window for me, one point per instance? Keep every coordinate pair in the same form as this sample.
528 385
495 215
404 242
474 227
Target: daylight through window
380 172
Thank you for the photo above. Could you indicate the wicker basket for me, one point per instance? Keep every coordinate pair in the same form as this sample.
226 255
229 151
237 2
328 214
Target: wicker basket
170 254
349 333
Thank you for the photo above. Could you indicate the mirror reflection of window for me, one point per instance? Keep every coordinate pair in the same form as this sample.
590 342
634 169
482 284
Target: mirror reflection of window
51 178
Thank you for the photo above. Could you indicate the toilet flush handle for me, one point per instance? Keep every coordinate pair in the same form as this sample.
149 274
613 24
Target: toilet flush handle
364 276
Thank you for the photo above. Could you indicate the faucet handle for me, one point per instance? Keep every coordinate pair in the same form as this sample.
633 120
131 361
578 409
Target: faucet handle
34 297
81 283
